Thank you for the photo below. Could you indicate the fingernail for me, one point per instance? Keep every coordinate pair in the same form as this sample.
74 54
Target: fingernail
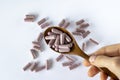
92 58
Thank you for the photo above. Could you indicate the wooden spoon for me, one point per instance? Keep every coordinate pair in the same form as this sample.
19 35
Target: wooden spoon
75 50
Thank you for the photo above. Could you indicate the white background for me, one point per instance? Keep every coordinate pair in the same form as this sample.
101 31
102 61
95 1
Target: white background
16 35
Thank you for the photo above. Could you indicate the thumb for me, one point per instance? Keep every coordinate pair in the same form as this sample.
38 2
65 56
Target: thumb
100 61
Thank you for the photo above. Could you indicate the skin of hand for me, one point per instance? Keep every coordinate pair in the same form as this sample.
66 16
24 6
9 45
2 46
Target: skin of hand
109 57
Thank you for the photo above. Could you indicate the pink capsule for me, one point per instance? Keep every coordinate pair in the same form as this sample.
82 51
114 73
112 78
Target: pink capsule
59 57
80 30
51 33
40 68
80 22
84 35
48 64
29 20
63 47
56 31
84 25
62 38
77 33
71 58
34 66
61 23
57 41
34 53
30 16
95 42
41 21
68 63
44 25
83 46
50 37
51 42
37 48
27 66
73 66
66 25
66 45
35 43
64 50
40 37
67 38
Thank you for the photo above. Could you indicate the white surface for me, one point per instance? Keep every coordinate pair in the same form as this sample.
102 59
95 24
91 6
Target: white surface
16 35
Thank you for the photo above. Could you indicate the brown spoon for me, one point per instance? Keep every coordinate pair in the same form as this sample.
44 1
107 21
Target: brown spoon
75 50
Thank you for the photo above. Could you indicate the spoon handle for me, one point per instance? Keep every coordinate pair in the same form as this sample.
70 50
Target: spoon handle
109 73
103 69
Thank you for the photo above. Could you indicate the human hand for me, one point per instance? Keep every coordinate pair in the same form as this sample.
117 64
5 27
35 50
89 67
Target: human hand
109 57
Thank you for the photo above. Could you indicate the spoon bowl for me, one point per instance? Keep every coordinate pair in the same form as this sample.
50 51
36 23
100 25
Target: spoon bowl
75 50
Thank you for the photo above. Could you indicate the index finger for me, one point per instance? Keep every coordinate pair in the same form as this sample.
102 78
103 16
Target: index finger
86 63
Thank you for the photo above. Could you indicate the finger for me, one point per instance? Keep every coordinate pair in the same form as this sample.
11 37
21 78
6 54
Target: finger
111 50
86 63
93 71
101 61
103 76
112 63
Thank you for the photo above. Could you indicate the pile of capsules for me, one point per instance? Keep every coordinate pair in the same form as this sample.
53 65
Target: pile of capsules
57 40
